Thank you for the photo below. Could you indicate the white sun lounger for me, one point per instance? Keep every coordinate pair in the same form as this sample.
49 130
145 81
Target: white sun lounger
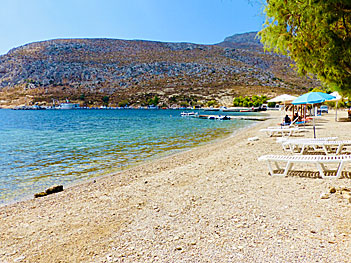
326 145
281 131
318 160
287 141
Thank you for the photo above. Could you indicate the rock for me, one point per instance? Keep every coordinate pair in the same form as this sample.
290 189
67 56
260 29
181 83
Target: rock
324 196
332 190
51 190
41 194
344 189
54 189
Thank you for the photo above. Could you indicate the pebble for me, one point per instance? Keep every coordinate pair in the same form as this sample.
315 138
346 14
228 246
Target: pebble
250 221
19 259
332 190
324 196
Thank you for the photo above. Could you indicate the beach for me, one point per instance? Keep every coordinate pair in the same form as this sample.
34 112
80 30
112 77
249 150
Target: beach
214 203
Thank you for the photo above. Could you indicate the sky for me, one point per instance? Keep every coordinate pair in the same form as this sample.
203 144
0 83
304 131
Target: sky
195 21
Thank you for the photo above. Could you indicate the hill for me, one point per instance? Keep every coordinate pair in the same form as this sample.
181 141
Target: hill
90 71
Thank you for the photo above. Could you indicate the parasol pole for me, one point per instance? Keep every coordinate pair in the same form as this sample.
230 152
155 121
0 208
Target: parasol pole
314 125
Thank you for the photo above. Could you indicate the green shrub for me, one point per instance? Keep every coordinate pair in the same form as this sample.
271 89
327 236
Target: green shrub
211 103
123 103
271 104
154 101
184 104
105 100
249 101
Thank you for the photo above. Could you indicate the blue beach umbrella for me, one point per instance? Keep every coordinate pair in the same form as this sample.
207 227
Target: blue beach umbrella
312 98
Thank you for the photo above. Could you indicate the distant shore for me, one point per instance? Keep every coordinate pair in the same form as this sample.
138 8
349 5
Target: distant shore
214 203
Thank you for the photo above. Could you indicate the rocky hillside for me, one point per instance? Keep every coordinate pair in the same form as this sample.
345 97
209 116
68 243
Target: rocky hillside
90 71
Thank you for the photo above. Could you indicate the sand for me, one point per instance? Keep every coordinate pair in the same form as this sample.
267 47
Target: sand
215 203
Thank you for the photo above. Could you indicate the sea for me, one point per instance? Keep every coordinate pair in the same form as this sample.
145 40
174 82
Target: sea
42 148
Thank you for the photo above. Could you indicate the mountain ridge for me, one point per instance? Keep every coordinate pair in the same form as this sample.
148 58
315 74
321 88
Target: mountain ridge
86 70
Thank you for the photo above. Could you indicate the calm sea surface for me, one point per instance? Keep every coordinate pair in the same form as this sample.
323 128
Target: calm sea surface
39 149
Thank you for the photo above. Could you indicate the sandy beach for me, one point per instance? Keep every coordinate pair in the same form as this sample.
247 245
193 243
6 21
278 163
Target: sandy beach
214 203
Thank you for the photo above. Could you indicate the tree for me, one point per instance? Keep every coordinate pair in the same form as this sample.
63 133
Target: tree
211 103
105 100
154 101
316 34
123 103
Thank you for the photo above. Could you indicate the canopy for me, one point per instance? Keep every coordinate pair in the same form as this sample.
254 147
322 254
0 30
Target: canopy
336 95
282 98
312 98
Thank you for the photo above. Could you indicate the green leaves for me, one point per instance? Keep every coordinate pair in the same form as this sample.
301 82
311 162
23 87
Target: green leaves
316 34
249 101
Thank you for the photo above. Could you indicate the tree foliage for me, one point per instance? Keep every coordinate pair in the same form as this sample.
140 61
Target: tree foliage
316 34
249 101
105 100
154 101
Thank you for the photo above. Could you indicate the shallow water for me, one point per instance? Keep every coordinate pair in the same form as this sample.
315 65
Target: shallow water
41 148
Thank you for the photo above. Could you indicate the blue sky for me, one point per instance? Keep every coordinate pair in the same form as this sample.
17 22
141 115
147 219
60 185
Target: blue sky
196 21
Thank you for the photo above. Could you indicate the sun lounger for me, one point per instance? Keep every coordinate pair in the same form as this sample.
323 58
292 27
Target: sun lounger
285 139
286 142
329 146
318 160
281 131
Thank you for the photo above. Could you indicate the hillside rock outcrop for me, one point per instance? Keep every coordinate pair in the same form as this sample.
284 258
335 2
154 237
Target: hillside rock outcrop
85 70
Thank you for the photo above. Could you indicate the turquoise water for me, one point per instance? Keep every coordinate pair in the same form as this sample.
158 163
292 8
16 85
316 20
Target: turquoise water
39 149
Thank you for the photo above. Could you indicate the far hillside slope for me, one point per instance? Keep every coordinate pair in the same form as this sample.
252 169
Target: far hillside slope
87 71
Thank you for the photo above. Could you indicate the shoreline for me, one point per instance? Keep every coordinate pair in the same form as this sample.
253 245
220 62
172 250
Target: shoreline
214 202
160 156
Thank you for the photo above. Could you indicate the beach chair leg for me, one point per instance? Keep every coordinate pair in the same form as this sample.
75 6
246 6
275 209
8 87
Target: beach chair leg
325 149
322 170
288 167
292 148
271 171
339 149
339 171
270 167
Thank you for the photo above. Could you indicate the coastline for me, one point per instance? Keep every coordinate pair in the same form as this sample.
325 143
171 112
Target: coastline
214 203
76 157
156 157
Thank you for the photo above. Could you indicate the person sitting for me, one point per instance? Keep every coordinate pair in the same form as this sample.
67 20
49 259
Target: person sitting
287 120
